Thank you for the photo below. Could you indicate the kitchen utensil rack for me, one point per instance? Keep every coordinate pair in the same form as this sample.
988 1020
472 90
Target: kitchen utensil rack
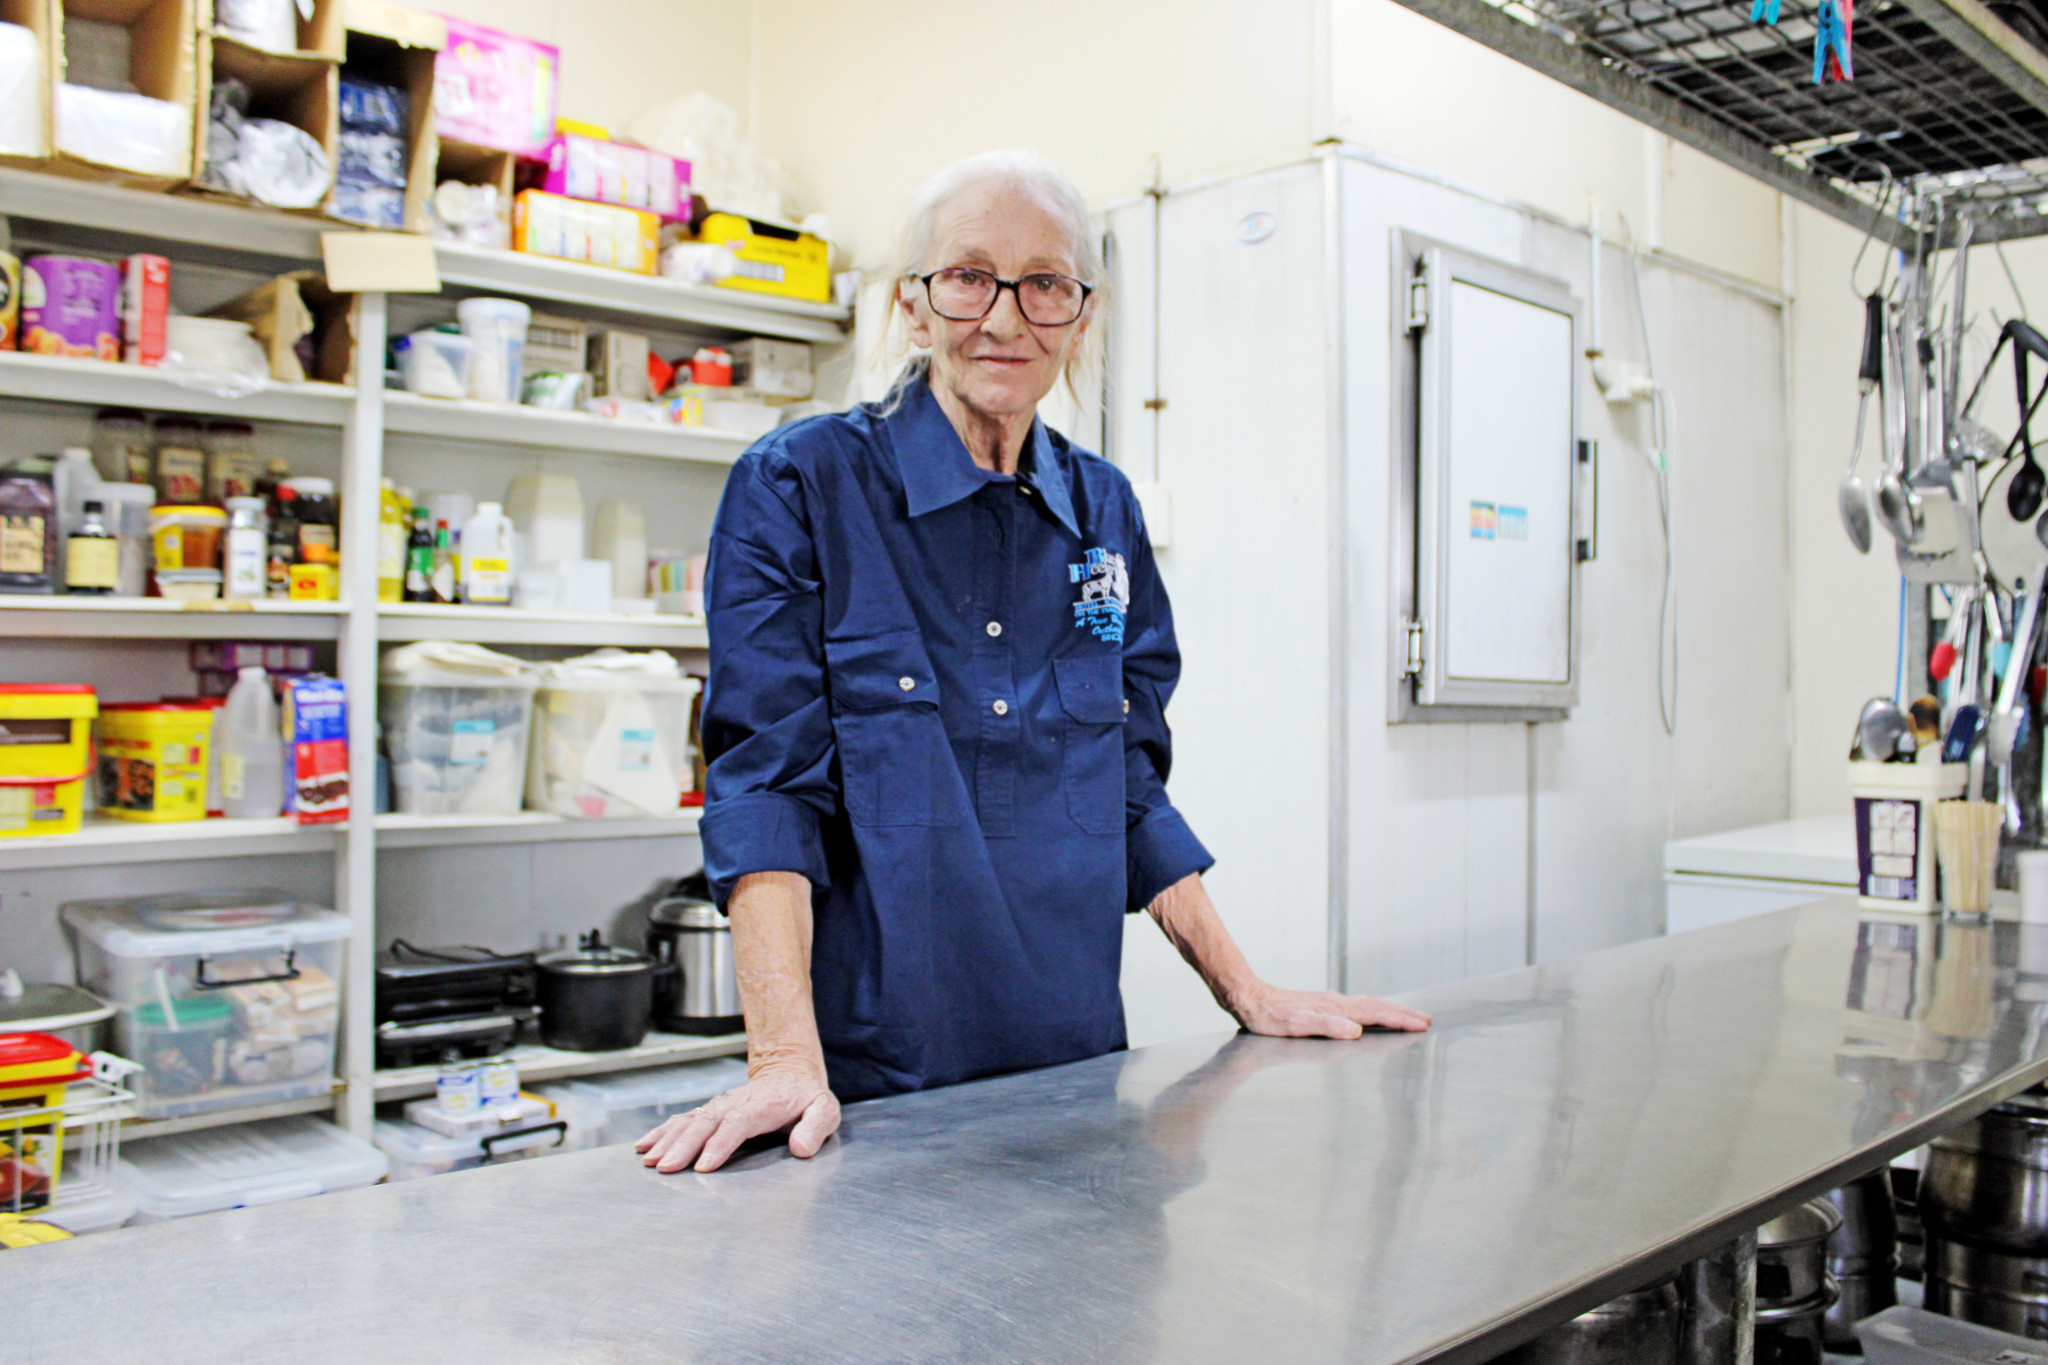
51 212
1947 98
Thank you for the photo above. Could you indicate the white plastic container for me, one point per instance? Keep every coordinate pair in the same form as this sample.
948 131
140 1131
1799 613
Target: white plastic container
251 748
457 741
547 519
242 1165
226 1000
496 329
610 747
633 1102
127 516
76 481
434 364
101 1208
414 1151
487 557
1894 806
622 541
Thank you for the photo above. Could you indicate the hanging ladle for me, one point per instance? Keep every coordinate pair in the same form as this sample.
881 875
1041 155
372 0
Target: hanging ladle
2029 484
1852 498
1898 506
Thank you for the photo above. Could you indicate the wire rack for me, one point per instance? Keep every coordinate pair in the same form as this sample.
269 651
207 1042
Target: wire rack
1921 115
88 1124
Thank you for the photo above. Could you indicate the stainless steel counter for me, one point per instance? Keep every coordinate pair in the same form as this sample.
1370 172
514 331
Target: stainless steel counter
1563 1133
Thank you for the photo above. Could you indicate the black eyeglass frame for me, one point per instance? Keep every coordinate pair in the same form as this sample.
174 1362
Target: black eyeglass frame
1011 285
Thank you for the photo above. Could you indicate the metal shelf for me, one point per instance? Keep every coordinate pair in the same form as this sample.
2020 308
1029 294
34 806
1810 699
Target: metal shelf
102 842
508 424
552 1064
527 827
154 618
1946 95
104 383
405 621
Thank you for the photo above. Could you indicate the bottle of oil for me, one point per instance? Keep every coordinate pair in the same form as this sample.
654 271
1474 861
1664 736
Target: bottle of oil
92 559
419 559
390 544
443 580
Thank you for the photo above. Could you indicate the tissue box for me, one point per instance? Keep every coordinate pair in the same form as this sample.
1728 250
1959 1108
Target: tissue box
618 365
496 89
782 368
613 173
316 756
546 224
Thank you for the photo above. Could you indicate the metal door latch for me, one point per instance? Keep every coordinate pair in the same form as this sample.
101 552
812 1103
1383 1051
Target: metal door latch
1418 298
1411 661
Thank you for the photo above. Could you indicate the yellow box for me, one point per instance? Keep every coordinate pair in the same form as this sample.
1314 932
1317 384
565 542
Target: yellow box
784 261
153 761
45 756
315 583
546 224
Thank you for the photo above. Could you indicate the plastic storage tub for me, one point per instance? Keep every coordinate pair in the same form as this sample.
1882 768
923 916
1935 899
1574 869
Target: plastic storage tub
635 1101
153 759
47 757
415 1151
610 747
100 1209
226 1000
243 1164
457 741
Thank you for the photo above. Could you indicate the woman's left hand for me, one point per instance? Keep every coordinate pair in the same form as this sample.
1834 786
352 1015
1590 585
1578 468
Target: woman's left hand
1322 1014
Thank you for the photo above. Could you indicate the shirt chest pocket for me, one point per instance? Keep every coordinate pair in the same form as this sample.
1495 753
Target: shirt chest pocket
895 764
1092 695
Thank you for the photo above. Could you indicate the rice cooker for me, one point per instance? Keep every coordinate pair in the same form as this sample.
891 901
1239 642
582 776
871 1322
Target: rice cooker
703 994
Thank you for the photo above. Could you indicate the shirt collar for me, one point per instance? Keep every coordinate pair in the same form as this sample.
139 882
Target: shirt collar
938 471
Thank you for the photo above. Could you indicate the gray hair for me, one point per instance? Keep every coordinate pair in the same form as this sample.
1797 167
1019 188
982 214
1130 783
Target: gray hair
1019 169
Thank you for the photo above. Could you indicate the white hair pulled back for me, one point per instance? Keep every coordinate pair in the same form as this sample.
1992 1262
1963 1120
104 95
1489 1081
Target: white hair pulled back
1017 169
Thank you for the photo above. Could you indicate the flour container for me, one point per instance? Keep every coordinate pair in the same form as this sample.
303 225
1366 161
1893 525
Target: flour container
1894 806
496 329
611 737
457 737
226 1000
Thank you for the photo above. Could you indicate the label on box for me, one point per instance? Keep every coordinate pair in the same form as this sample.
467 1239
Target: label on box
316 725
145 304
636 751
469 742
1888 848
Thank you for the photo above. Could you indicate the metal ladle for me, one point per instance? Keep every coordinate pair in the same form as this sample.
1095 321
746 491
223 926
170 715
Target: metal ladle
1852 498
1898 506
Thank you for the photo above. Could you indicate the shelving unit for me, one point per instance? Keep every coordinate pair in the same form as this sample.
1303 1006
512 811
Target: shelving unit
79 215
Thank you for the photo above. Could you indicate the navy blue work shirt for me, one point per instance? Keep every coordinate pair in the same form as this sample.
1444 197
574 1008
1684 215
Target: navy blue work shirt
939 694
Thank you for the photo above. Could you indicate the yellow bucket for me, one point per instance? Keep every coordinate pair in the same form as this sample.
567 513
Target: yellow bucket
153 760
45 756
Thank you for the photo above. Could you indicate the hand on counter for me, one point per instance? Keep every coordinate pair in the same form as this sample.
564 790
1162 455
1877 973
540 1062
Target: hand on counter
1188 917
777 1097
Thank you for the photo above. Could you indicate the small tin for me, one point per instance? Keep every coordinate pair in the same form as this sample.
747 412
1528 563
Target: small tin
499 1077
459 1089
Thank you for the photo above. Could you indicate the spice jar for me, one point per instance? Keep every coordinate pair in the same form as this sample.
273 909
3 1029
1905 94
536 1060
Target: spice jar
231 465
186 537
180 460
319 519
120 446
248 549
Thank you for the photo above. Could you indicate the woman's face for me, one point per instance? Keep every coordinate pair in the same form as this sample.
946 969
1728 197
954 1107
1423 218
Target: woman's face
999 365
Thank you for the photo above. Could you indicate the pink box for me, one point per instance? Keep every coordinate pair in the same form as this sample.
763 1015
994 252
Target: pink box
496 89
614 173
145 304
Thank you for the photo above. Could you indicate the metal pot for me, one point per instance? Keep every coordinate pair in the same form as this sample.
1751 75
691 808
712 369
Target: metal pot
701 994
1639 1328
1989 1288
1861 1296
1794 1333
1792 1257
1986 1182
1867 1243
595 997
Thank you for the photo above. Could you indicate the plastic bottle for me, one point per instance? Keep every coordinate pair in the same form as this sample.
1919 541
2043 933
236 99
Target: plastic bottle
622 539
487 557
74 479
442 581
246 559
390 544
251 750
419 558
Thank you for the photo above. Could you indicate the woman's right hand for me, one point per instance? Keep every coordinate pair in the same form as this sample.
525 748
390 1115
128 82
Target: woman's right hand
779 1096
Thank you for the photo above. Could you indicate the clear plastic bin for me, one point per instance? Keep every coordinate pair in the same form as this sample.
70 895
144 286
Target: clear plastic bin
457 742
415 1151
244 1164
226 1000
611 748
633 1102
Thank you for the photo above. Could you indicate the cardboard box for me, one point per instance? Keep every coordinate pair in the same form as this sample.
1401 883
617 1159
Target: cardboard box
781 368
604 172
40 18
555 346
618 365
282 311
316 750
321 32
145 306
398 47
598 234
163 63
774 259
494 89
303 91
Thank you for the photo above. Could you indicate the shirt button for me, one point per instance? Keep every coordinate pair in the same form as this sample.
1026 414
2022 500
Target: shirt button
1023 490
907 684
1127 706
995 628
1002 708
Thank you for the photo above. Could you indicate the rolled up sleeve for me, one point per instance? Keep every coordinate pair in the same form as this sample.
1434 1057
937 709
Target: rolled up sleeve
1160 847
767 726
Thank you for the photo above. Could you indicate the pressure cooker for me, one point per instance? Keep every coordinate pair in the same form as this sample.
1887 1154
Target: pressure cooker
686 931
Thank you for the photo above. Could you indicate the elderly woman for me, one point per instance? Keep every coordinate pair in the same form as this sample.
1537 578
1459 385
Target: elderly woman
940 661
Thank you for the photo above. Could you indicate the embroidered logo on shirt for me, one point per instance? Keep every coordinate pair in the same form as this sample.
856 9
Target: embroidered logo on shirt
1105 594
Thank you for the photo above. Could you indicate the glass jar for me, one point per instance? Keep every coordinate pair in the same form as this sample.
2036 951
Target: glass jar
120 446
319 519
231 464
180 460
